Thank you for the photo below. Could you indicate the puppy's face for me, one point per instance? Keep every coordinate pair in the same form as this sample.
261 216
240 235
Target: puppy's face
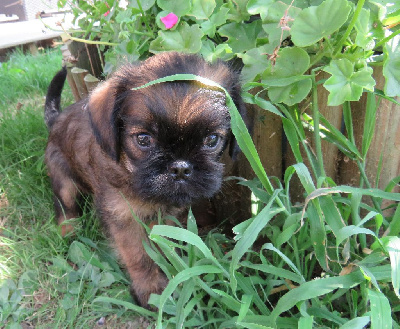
172 140
169 137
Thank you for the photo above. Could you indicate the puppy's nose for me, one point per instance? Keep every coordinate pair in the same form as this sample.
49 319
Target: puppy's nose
180 170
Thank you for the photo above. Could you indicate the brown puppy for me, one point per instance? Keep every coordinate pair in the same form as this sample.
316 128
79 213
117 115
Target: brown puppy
140 152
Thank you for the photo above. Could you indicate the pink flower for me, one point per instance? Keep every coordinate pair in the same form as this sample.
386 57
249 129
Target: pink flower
107 12
170 20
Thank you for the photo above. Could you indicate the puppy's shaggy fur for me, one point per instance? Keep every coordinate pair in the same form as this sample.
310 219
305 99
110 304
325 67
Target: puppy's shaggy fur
143 151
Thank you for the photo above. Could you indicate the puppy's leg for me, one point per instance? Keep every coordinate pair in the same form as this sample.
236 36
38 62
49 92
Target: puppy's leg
66 195
128 237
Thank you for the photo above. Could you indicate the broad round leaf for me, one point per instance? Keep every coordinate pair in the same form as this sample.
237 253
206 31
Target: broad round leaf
345 84
255 7
178 7
391 67
271 21
291 94
255 62
146 4
202 9
285 78
316 22
241 37
185 38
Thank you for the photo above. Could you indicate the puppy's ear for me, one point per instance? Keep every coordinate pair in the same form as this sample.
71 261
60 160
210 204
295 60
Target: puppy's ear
104 116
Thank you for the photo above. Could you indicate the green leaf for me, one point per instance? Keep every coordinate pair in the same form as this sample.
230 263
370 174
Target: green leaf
393 248
107 279
274 270
202 9
266 105
78 253
255 62
245 306
255 7
317 22
237 10
290 132
315 288
292 61
241 37
291 94
345 84
179 278
269 246
212 53
185 39
364 39
127 305
68 302
306 322
4 292
250 235
391 67
356 323
178 7
285 78
381 316
209 27
146 4
271 21
369 123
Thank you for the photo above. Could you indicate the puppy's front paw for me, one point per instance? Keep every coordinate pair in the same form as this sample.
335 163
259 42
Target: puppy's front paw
154 283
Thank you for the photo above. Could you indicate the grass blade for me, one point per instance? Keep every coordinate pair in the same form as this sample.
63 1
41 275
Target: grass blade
306 322
393 248
369 123
293 139
357 323
381 314
181 234
315 288
250 235
127 305
179 278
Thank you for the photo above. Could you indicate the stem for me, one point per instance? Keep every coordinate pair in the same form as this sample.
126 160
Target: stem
145 19
317 58
92 42
317 137
301 139
383 41
367 183
360 5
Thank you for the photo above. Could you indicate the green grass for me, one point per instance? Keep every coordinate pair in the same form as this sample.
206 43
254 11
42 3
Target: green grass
331 262
34 287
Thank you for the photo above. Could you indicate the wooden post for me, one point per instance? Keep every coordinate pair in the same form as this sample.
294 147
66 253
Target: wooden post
91 82
78 76
71 83
86 57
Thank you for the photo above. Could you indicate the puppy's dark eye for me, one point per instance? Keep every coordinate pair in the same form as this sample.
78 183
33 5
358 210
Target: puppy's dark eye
144 140
211 141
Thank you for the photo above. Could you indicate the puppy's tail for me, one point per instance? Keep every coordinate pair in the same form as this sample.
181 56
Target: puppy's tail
52 107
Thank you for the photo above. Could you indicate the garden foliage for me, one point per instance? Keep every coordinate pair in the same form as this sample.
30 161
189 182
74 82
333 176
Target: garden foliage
331 261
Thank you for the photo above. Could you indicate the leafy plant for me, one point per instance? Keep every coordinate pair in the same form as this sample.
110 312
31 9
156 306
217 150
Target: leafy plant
331 261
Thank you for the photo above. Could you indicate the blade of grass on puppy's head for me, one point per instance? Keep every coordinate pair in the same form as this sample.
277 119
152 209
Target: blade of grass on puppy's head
238 126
